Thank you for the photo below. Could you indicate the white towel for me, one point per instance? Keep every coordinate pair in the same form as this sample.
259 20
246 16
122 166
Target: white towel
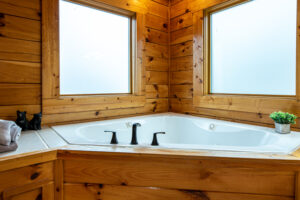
9 132
12 147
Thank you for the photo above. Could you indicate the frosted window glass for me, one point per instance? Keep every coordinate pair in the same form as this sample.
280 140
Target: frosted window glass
94 51
253 48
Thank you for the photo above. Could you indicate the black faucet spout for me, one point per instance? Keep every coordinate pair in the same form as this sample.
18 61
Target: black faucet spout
134 137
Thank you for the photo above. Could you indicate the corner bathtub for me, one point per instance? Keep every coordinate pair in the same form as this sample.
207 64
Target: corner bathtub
182 132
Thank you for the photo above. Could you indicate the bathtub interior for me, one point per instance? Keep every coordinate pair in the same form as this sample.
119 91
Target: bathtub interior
182 131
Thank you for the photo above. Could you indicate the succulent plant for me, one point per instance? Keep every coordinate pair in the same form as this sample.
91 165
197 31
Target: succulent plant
283 117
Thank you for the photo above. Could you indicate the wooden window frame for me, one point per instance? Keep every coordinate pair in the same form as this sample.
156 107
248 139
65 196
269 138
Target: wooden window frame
52 101
261 104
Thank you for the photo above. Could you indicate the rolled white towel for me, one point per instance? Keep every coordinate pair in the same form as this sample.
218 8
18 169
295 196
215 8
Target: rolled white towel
9 132
12 147
15 132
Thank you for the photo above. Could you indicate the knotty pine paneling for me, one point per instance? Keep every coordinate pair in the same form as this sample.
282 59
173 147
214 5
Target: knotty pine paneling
77 191
20 63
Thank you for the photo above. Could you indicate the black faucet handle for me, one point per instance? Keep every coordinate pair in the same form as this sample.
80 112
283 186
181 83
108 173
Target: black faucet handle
114 139
154 141
136 124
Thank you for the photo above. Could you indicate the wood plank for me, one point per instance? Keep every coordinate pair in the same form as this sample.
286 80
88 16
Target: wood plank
173 2
151 106
155 36
10 112
19 72
10 9
181 77
20 94
156 91
156 63
20 57
159 78
59 180
157 9
265 105
26 175
50 48
48 191
20 28
73 106
181 91
178 174
155 22
198 57
183 49
31 194
180 8
163 2
26 159
181 22
10 45
182 35
33 4
156 105
186 106
115 192
181 63
155 50
94 99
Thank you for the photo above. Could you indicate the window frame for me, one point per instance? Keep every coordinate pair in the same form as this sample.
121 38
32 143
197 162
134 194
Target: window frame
261 104
132 40
52 102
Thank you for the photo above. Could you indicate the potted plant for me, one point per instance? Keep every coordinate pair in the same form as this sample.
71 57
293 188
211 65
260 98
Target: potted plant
283 121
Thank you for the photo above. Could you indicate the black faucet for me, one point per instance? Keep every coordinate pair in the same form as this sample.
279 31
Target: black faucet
154 141
114 139
134 139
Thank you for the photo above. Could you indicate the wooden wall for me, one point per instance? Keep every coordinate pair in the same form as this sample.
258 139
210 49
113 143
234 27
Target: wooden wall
20 61
20 57
181 66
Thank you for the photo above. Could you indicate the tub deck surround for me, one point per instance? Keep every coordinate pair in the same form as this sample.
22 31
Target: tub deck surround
182 132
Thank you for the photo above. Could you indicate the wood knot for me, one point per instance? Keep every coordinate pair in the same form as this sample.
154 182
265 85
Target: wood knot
34 175
260 115
39 14
2 24
151 58
57 189
2 15
123 183
165 25
98 193
180 21
97 113
127 4
187 10
100 185
147 40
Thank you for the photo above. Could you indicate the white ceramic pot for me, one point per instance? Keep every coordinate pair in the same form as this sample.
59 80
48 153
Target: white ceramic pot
282 128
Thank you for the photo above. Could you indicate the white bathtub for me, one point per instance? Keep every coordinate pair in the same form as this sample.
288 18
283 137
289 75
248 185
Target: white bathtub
182 132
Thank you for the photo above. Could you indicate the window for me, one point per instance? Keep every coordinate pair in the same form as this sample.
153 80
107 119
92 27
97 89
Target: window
95 50
252 48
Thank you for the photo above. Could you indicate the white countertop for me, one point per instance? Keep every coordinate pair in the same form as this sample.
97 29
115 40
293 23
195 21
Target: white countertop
32 141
